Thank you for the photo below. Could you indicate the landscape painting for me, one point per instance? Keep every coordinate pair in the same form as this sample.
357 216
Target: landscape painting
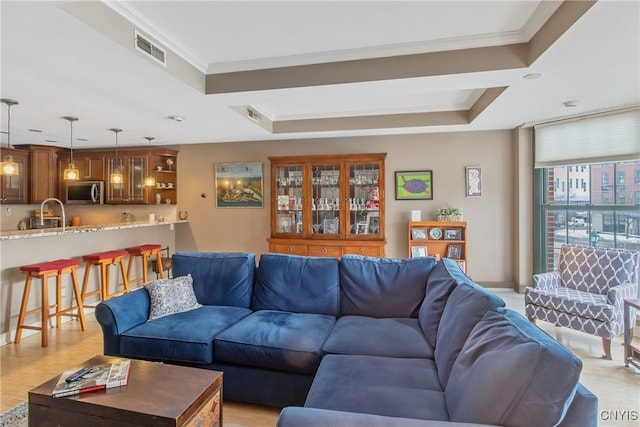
239 185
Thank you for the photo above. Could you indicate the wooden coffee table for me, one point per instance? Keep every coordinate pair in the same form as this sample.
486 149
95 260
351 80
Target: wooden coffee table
156 395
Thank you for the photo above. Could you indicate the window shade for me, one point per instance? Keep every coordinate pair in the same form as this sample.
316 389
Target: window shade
592 139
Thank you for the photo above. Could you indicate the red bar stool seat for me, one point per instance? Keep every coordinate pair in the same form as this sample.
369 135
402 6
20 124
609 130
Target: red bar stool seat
43 271
144 251
103 260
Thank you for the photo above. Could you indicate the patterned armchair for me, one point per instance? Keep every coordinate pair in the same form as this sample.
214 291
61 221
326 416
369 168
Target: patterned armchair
586 291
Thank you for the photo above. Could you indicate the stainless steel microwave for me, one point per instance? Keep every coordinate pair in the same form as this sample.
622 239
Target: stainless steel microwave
84 192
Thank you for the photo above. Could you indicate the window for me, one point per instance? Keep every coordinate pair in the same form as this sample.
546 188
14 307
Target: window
636 177
610 212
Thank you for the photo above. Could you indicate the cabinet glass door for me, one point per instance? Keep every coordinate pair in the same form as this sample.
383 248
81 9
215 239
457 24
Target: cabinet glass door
288 188
115 192
364 199
135 179
325 200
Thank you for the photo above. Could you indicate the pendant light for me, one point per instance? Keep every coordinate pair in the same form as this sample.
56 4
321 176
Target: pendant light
71 173
116 175
149 181
7 166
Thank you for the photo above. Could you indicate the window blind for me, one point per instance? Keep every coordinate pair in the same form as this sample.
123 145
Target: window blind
591 139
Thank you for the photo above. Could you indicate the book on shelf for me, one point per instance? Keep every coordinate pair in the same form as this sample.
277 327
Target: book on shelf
98 377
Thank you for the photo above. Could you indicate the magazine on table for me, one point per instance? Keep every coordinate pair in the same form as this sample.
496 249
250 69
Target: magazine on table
90 378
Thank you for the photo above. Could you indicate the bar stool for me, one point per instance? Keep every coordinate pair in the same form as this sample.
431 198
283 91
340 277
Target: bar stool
44 271
103 260
144 251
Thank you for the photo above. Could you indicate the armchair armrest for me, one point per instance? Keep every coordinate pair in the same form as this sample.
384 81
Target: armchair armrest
546 281
616 294
120 314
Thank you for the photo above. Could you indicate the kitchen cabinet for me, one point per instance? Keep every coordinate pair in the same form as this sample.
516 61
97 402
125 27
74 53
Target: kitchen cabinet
328 205
91 167
133 167
43 175
163 166
14 189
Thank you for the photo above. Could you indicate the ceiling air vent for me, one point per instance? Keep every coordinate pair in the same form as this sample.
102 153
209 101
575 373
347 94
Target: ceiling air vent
147 47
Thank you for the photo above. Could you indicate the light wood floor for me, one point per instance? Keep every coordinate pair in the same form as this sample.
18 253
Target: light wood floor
27 365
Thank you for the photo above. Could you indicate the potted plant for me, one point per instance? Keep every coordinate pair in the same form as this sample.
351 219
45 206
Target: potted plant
449 213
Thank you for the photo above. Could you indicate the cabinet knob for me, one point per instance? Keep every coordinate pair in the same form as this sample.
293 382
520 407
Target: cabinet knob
323 250
360 251
289 248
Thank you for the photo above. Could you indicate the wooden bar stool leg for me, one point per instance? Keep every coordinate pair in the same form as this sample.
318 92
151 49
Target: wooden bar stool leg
159 264
76 290
85 280
23 308
131 257
125 279
58 298
104 281
44 310
145 259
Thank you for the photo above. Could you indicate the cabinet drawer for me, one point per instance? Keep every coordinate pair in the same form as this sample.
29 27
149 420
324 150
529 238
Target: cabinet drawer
286 248
324 250
363 250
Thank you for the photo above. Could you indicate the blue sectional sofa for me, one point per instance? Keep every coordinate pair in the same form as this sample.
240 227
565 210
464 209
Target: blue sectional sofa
357 342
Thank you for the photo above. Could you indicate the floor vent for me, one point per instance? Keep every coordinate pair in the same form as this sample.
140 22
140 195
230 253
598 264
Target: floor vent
150 49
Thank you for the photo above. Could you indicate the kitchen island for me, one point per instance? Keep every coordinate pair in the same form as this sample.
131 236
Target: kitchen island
22 247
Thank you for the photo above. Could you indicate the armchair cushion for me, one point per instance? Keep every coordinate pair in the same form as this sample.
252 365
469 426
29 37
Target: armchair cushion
550 280
596 270
567 300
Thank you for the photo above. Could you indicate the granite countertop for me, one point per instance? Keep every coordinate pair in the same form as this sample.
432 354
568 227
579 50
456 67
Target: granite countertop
45 232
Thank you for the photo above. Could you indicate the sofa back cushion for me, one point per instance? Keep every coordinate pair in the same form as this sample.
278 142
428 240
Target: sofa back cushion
383 287
219 278
298 284
467 304
510 372
596 270
439 286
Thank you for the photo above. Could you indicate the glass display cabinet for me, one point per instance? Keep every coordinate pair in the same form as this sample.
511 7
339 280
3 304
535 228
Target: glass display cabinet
328 205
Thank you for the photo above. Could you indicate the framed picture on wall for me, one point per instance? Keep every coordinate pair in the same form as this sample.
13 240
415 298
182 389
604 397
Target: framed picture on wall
414 185
474 181
239 185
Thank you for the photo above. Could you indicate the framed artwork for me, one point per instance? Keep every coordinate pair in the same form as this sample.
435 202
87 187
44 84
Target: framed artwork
418 251
373 223
474 181
285 223
452 234
239 185
330 226
454 251
362 228
418 234
414 185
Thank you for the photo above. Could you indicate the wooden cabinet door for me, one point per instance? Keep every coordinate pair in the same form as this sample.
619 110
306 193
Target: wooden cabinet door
44 174
90 168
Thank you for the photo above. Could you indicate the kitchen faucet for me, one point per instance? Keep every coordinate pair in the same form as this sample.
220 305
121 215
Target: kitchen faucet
64 219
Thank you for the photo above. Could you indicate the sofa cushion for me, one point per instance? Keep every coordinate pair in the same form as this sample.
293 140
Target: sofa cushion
219 278
390 337
466 305
511 373
297 284
573 301
290 342
439 286
383 287
396 387
182 337
170 296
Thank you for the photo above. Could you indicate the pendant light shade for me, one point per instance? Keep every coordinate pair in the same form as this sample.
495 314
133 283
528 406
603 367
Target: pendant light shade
116 176
71 173
7 166
149 181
